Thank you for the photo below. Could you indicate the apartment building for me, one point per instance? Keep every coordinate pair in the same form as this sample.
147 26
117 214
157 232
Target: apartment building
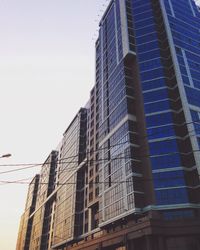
128 168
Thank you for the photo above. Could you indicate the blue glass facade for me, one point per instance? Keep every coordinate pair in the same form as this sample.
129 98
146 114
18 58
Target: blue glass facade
185 26
147 48
167 37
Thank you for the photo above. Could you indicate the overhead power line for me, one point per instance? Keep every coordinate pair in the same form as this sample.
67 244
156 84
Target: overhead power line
19 169
103 160
141 179
60 161
3 182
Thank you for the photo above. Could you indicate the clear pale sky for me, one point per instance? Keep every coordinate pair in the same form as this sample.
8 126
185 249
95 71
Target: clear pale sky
46 72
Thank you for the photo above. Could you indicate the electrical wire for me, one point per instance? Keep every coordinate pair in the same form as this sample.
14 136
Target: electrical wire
19 169
60 161
3 182
103 148
28 166
141 179
99 160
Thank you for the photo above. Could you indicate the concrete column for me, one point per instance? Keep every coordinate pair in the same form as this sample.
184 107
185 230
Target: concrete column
89 219
125 242
148 240
130 245
198 244
161 243
100 246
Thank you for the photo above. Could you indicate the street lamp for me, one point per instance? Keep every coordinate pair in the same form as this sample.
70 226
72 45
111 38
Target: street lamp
5 156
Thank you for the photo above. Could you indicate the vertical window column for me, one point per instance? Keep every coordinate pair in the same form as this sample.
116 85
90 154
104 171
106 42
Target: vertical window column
192 8
171 8
187 68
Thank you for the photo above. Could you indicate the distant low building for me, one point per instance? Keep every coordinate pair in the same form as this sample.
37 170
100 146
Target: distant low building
26 222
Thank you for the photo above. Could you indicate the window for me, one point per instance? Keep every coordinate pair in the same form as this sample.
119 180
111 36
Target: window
172 196
178 214
158 120
90 196
91 172
155 95
157 106
163 147
165 161
169 179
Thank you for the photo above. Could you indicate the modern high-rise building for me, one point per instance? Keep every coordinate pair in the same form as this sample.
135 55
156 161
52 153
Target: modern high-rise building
128 175
42 216
68 223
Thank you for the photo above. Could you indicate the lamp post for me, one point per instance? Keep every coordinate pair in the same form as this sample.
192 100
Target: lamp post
5 156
